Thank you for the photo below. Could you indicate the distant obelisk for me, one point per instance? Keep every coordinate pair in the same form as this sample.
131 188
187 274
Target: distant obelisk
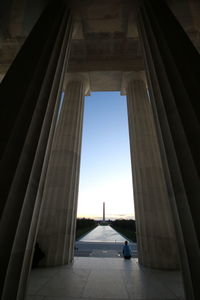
103 211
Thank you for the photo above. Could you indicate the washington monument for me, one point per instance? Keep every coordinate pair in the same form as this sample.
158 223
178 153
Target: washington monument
103 211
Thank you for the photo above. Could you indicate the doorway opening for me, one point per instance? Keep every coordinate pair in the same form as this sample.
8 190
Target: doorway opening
105 216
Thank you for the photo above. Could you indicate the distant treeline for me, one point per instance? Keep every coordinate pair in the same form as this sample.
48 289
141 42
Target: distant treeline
84 226
125 227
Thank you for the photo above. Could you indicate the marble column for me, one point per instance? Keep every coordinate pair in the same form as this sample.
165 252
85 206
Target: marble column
172 66
35 85
155 230
58 220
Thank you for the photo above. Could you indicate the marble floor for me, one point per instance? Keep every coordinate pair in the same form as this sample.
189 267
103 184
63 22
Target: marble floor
104 278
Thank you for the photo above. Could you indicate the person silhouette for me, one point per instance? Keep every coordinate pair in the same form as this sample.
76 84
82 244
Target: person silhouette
38 255
126 251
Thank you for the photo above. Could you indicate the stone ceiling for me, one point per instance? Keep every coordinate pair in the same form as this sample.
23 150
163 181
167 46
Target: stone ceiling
105 41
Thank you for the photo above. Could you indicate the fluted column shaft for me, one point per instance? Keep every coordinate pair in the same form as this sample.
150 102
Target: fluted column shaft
33 87
58 220
172 65
155 232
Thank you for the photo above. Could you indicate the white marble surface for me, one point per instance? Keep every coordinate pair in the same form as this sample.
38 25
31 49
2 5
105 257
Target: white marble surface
104 278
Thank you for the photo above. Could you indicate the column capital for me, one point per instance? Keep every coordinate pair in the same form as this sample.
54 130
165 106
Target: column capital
131 76
78 76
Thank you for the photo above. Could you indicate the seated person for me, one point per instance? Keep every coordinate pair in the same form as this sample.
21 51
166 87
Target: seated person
38 255
126 251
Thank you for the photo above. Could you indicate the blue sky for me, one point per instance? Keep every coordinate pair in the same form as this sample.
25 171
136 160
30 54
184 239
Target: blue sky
105 174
